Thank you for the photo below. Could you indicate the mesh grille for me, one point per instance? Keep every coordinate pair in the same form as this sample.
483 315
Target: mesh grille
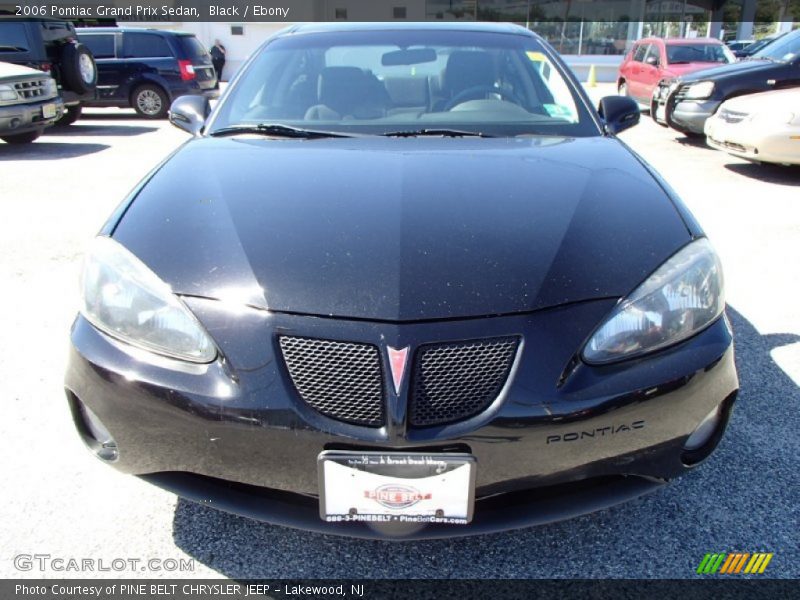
455 381
341 380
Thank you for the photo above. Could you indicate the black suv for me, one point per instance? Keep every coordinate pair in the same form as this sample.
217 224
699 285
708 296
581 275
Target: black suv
686 102
52 46
147 68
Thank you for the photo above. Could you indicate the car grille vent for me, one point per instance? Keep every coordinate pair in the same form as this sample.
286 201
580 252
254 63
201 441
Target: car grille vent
341 380
457 380
31 89
730 116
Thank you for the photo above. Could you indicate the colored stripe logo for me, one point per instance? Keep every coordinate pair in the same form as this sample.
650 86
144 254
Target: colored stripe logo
734 563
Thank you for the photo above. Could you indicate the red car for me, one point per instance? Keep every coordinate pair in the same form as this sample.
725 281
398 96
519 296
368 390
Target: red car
651 60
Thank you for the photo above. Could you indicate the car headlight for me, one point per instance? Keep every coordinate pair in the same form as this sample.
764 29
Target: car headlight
683 296
126 300
698 91
7 93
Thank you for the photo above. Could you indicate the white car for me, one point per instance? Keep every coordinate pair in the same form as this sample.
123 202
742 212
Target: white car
761 127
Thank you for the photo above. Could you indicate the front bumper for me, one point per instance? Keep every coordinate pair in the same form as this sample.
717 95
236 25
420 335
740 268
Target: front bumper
562 441
686 116
770 143
22 118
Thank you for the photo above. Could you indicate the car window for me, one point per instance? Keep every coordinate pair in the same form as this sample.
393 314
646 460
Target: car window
387 81
13 38
785 49
652 51
639 52
192 47
101 45
145 45
689 53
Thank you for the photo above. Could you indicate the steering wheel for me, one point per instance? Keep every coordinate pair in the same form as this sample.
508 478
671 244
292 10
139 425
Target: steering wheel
478 90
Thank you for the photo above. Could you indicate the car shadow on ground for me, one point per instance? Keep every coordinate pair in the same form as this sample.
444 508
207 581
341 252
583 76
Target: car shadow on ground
41 150
116 116
698 141
98 130
768 173
742 499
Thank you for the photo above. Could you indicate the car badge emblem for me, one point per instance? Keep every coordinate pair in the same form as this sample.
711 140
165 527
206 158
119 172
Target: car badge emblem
397 363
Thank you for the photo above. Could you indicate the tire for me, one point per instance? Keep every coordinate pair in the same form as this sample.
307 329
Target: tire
22 138
71 114
150 101
78 69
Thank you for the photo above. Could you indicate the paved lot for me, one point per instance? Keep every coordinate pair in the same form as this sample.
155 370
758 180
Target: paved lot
60 501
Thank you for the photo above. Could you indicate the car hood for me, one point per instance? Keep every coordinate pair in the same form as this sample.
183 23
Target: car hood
683 69
730 70
402 229
766 102
12 70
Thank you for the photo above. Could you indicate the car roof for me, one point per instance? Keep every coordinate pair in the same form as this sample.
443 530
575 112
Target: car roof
132 30
494 27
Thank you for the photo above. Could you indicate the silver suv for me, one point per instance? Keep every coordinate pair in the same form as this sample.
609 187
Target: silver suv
29 102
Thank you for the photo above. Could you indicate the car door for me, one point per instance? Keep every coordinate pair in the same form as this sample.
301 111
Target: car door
651 73
635 72
104 47
147 58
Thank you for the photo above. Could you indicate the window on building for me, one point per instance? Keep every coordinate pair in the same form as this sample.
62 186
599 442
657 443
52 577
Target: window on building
237 29
340 13
399 12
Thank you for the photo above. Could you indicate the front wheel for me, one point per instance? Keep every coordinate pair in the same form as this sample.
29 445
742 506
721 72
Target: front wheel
150 101
22 138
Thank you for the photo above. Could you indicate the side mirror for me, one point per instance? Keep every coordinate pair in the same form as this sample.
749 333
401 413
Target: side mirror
619 113
652 61
189 113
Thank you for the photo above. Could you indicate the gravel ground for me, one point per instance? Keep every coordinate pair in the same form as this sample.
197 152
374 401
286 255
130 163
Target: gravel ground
60 501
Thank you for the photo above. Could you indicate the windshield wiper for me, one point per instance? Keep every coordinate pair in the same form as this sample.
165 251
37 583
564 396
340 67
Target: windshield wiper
277 130
436 132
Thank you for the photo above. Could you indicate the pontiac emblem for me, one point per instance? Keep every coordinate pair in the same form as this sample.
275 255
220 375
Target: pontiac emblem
397 363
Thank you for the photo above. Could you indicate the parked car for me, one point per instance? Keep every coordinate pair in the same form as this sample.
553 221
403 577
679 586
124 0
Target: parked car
414 286
145 69
51 45
686 102
736 45
29 102
757 46
761 127
651 60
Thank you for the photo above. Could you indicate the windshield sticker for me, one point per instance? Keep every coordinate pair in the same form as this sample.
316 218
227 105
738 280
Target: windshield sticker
557 110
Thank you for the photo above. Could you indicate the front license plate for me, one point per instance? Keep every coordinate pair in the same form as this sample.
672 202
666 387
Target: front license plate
48 111
396 487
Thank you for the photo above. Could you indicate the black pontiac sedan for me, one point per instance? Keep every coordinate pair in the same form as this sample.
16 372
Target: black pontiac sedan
414 287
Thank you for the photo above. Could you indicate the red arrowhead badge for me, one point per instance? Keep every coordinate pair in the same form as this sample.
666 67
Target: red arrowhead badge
397 362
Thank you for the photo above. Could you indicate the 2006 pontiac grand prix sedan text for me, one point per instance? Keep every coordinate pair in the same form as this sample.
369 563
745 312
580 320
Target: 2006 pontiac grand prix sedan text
415 287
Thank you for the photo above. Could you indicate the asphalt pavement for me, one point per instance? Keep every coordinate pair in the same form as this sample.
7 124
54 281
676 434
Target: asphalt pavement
60 501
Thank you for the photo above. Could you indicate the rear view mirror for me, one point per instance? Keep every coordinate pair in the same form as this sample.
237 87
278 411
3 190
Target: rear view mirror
408 57
619 113
652 61
189 113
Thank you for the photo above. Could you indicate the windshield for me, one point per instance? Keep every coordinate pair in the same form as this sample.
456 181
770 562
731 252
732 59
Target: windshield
689 53
379 82
785 49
